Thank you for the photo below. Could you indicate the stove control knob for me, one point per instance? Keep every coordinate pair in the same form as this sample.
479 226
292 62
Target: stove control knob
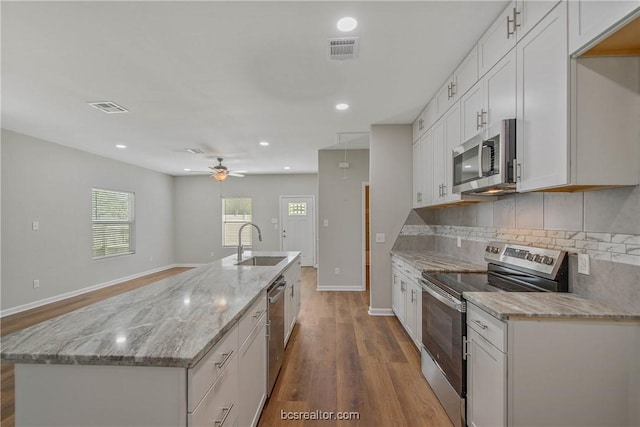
547 260
537 258
488 249
530 257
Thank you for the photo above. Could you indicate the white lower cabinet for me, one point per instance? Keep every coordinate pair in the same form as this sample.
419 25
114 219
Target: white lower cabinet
549 372
252 375
291 298
406 298
212 385
486 382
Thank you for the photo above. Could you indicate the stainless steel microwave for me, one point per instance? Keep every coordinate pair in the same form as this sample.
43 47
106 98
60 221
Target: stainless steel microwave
485 166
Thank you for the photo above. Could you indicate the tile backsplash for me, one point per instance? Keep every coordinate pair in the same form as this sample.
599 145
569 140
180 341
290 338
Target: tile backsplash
604 224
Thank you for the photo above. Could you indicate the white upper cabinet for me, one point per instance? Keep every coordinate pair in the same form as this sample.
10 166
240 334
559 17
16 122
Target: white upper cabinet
542 94
471 106
426 119
462 79
512 25
452 136
417 173
438 168
499 39
528 13
426 155
499 86
589 19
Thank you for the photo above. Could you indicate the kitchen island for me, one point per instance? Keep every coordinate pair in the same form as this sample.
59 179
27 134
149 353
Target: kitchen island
164 354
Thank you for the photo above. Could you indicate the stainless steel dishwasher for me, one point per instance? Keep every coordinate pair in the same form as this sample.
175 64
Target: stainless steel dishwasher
276 330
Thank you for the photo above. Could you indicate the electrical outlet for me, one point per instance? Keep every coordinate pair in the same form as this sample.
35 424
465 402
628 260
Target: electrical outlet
213 254
336 270
36 283
35 226
380 238
325 223
583 264
459 242
151 258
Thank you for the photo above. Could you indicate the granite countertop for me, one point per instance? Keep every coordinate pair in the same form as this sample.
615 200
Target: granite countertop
437 263
173 322
509 305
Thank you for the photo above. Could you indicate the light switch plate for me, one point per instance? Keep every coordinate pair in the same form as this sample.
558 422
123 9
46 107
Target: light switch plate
380 238
583 264
325 223
35 226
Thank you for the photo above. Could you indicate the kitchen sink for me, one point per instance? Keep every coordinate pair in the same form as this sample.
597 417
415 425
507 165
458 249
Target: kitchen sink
262 260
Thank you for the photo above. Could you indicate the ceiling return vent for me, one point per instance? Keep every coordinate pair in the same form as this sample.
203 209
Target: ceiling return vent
344 48
108 107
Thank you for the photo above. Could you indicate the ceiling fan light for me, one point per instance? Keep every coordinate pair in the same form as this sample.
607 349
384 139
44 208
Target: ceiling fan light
220 176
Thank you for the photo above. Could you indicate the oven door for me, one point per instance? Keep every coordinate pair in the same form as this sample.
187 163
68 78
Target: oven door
443 323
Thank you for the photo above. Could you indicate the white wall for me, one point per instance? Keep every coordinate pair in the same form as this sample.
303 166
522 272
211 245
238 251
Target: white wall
198 210
389 201
340 203
46 182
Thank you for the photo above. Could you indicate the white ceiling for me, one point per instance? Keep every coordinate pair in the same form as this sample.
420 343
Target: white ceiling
222 76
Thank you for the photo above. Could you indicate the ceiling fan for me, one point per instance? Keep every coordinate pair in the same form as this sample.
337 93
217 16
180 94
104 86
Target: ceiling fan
221 172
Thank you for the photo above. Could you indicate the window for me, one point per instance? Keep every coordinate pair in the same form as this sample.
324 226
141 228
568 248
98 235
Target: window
112 220
235 212
298 209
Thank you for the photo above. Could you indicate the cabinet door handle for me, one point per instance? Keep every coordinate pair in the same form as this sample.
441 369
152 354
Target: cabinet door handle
257 314
516 170
483 115
478 117
449 91
226 411
225 358
413 295
420 124
453 89
509 22
444 190
515 19
480 324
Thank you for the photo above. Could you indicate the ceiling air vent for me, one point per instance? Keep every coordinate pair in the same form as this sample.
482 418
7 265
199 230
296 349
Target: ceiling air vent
344 48
108 107
194 151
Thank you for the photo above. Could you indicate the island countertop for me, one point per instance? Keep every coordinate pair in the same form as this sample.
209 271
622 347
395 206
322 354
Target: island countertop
173 322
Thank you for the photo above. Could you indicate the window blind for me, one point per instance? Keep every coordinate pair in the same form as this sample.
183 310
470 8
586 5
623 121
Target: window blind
113 220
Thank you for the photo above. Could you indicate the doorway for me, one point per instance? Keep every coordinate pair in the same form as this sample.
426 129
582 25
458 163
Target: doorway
366 244
297 219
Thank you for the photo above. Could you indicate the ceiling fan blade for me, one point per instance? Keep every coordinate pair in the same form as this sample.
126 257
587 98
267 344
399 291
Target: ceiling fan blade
239 175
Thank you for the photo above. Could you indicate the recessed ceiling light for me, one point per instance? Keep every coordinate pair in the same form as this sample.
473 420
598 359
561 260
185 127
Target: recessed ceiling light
342 107
347 24
187 170
264 143
121 146
287 167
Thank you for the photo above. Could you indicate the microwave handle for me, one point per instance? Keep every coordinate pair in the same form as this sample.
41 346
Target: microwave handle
480 175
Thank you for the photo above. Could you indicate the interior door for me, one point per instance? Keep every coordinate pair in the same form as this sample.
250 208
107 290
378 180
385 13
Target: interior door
298 229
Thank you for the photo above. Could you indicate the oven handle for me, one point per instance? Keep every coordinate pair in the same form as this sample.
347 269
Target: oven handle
442 296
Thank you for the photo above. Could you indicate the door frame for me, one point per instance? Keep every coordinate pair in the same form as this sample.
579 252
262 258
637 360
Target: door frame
364 233
314 231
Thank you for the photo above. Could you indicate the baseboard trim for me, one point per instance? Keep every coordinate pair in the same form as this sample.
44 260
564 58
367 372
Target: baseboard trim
192 265
338 288
49 300
380 311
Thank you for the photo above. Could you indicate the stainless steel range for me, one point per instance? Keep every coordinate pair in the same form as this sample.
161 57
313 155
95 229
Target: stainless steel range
511 268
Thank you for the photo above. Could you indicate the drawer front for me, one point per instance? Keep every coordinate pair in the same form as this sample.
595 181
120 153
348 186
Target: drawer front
219 407
487 326
251 318
212 365
397 263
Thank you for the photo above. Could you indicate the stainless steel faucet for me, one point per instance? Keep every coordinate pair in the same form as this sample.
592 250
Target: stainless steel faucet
240 247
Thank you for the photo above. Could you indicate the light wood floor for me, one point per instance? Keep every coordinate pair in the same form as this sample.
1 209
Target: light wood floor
341 359
338 359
